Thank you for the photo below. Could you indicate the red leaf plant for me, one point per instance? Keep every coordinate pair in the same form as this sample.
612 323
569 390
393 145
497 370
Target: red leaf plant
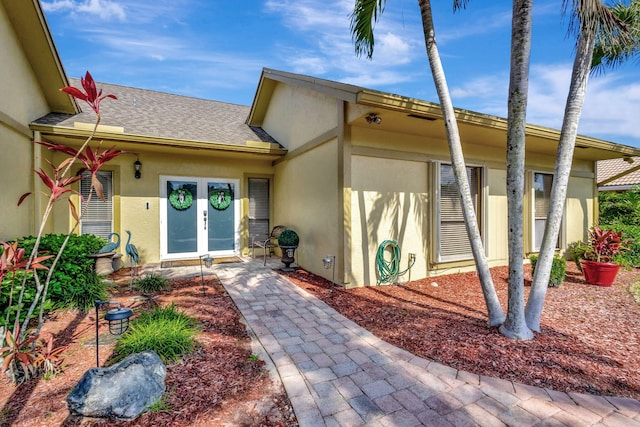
91 94
58 182
605 244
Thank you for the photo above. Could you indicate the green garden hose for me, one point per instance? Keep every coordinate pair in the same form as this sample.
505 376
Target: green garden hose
389 270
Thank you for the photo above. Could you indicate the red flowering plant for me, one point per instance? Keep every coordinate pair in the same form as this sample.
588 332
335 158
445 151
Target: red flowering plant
59 184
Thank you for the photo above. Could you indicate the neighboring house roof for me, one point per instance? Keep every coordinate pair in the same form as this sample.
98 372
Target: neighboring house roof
618 174
164 115
31 29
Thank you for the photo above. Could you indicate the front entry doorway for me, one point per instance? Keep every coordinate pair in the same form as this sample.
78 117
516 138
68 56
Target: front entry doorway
199 216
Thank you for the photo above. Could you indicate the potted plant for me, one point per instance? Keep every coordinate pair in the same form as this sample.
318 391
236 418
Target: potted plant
288 241
598 265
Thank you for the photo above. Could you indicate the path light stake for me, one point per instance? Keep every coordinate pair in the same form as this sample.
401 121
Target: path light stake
118 319
208 261
330 262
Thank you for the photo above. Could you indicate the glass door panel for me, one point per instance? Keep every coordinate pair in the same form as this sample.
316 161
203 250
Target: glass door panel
182 230
221 234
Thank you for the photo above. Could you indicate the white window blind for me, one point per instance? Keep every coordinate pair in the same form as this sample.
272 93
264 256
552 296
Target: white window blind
98 218
453 242
259 207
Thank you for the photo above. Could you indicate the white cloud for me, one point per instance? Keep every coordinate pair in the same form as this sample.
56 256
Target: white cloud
104 9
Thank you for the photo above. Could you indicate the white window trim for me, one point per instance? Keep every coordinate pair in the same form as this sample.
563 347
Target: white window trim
532 215
482 200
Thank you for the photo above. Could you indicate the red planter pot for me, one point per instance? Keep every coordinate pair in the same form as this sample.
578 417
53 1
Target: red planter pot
599 273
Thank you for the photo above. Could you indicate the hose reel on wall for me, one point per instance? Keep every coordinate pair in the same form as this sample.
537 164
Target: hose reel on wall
389 270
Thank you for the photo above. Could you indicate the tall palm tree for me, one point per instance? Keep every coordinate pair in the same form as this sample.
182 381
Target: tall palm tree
365 14
515 325
591 20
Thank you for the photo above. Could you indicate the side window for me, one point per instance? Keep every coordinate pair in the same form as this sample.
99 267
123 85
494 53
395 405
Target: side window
542 183
98 218
453 242
259 207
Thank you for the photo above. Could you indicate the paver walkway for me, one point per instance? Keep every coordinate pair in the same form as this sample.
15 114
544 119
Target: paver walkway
339 374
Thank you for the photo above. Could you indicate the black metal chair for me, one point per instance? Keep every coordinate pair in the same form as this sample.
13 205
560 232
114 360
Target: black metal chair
267 243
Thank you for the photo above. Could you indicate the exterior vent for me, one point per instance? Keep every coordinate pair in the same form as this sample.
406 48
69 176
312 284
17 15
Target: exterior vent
415 116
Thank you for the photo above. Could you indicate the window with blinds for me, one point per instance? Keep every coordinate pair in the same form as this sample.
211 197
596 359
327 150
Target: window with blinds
542 183
453 242
259 207
98 218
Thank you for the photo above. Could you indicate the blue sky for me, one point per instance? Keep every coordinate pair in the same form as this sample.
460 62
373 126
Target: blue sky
217 49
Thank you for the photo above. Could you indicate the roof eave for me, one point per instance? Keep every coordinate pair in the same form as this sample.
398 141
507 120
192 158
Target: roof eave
251 147
429 109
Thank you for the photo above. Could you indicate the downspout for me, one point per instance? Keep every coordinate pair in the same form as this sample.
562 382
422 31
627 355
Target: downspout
37 184
344 194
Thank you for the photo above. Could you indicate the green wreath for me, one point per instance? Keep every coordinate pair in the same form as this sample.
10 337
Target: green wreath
181 199
220 199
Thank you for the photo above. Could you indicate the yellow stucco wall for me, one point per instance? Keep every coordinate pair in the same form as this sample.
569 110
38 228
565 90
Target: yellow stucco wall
20 103
132 195
306 199
379 212
579 208
297 115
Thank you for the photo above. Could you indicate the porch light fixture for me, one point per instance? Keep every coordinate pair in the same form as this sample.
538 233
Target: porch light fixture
208 262
137 166
118 319
373 118
329 262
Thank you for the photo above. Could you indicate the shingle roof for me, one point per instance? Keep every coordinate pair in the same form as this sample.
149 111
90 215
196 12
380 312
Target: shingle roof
613 167
165 115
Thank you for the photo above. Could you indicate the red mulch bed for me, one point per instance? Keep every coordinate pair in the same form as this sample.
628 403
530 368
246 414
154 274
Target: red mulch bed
589 343
216 385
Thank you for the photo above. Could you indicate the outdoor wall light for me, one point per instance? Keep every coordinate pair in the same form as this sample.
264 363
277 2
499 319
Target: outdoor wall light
208 262
118 319
137 166
329 262
373 118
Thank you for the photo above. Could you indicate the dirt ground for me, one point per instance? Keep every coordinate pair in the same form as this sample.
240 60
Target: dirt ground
589 344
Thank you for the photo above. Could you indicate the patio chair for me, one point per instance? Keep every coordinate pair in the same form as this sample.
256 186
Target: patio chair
267 243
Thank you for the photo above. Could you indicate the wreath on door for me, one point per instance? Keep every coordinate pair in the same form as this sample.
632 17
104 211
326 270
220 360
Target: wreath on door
181 199
220 199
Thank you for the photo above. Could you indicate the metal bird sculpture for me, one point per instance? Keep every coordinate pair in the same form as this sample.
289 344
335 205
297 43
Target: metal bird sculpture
111 246
132 253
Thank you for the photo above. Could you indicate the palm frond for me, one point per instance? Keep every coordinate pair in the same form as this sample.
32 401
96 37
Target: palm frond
365 15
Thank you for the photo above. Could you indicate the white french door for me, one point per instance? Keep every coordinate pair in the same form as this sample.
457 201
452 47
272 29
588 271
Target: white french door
198 216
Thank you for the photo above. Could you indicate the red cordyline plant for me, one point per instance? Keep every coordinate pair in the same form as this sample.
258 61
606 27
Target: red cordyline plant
604 244
58 182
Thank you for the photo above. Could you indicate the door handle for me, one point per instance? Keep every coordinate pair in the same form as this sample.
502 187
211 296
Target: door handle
205 218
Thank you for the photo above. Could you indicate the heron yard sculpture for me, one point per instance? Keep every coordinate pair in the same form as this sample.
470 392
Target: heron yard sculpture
132 253
111 246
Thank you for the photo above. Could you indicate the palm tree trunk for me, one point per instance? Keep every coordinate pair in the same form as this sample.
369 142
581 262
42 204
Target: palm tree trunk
495 313
573 110
515 325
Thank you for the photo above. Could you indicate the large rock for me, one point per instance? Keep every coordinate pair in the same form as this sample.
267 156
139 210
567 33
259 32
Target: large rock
121 391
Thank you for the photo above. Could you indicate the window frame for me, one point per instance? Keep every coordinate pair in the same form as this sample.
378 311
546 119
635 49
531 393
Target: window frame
534 248
94 199
480 204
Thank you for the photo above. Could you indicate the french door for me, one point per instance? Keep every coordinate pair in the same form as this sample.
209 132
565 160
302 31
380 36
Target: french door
199 216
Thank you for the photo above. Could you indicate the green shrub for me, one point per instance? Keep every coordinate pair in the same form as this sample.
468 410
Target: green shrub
558 269
152 282
166 330
74 283
288 238
619 208
575 252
